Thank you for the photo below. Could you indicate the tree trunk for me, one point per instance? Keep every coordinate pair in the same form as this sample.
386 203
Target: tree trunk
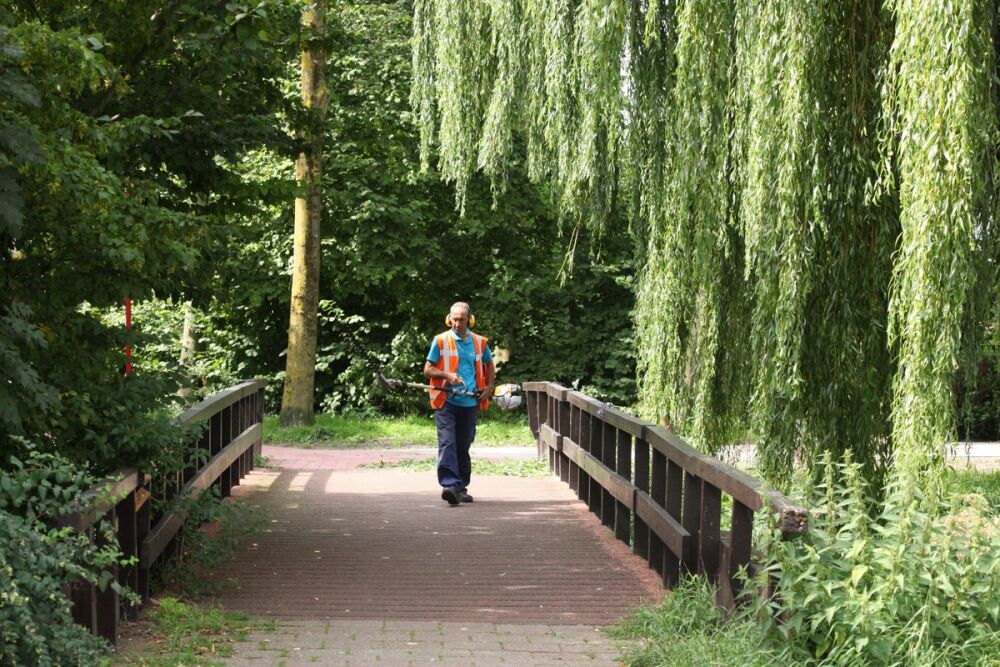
189 345
300 370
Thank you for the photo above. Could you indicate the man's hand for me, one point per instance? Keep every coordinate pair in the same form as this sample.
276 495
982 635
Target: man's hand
485 392
430 371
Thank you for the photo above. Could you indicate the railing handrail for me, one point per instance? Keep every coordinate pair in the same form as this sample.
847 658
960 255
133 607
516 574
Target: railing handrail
654 490
219 401
102 497
749 490
220 456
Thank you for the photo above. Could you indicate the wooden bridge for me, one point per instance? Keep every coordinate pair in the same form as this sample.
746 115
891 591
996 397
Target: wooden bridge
634 506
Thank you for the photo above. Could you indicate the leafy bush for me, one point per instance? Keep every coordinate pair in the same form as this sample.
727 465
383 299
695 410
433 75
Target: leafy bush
39 561
908 581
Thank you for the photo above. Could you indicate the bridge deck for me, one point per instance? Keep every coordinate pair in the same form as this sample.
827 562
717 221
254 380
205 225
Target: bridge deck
381 544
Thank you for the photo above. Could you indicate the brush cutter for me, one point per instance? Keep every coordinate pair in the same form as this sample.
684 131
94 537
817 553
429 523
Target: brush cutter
505 396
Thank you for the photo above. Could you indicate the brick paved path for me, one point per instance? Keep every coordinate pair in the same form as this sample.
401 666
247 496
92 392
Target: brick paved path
372 567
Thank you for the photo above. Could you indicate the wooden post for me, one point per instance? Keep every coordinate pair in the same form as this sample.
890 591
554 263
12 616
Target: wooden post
691 520
575 420
675 480
609 438
640 545
583 493
658 493
623 466
708 534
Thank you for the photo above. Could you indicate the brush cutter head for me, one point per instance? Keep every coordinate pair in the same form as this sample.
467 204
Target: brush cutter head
389 384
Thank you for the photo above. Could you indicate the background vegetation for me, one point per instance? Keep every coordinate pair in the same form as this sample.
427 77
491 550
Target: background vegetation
778 217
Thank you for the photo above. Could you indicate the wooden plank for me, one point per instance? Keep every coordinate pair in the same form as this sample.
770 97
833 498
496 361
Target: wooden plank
741 544
708 532
586 403
724 592
168 525
531 399
640 545
608 413
691 519
550 438
609 441
100 498
673 504
557 391
623 421
583 493
128 542
541 387
219 400
731 480
619 487
623 467
666 528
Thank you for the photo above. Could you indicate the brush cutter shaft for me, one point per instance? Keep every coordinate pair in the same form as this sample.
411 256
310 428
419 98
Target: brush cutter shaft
506 395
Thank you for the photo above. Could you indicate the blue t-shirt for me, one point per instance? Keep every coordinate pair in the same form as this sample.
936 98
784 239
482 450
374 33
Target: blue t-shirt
466 365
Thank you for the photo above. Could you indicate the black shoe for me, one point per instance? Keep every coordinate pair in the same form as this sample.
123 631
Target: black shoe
464 497
450 494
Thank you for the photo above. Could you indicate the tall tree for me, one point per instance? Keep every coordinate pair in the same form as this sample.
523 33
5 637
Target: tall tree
812 182
300 371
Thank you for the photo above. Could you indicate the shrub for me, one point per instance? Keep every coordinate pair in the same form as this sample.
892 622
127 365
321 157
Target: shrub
38 561
907 581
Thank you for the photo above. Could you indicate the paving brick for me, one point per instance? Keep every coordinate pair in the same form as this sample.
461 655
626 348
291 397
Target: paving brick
368 567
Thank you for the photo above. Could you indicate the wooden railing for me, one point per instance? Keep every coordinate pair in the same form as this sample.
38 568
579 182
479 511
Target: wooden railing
656 492
220 457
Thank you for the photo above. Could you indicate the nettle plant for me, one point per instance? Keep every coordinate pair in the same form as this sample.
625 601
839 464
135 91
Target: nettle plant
909 580
39 561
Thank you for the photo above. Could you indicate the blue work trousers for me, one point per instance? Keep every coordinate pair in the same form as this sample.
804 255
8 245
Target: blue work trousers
456 428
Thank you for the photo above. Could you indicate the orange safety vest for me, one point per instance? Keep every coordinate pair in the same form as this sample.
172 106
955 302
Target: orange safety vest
448 361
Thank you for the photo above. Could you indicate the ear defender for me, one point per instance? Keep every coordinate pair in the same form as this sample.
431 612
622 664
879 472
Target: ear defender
472 320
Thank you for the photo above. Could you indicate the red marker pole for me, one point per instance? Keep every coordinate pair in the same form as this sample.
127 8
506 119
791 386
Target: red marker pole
128 347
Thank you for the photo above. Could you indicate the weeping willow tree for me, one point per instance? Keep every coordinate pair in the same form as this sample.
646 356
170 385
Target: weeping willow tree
810 183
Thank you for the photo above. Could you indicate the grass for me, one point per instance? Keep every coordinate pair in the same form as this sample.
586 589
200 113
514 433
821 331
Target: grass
687 629
180 633
347 432
986 484
210 536
529 468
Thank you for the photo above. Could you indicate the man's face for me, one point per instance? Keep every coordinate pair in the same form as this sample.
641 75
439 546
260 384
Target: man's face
459 321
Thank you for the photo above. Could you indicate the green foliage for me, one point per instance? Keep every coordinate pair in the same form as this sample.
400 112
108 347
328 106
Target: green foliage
688 629
906 581
942 108
352 431
810 184
38 561
396 254
211 533
113 125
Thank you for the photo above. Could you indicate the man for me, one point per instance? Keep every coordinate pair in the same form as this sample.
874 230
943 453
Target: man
462 360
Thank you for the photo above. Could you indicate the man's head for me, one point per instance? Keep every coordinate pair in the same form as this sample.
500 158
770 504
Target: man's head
459 317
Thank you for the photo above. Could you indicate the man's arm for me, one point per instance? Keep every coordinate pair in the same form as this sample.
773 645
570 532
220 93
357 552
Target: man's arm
490 373
431 371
